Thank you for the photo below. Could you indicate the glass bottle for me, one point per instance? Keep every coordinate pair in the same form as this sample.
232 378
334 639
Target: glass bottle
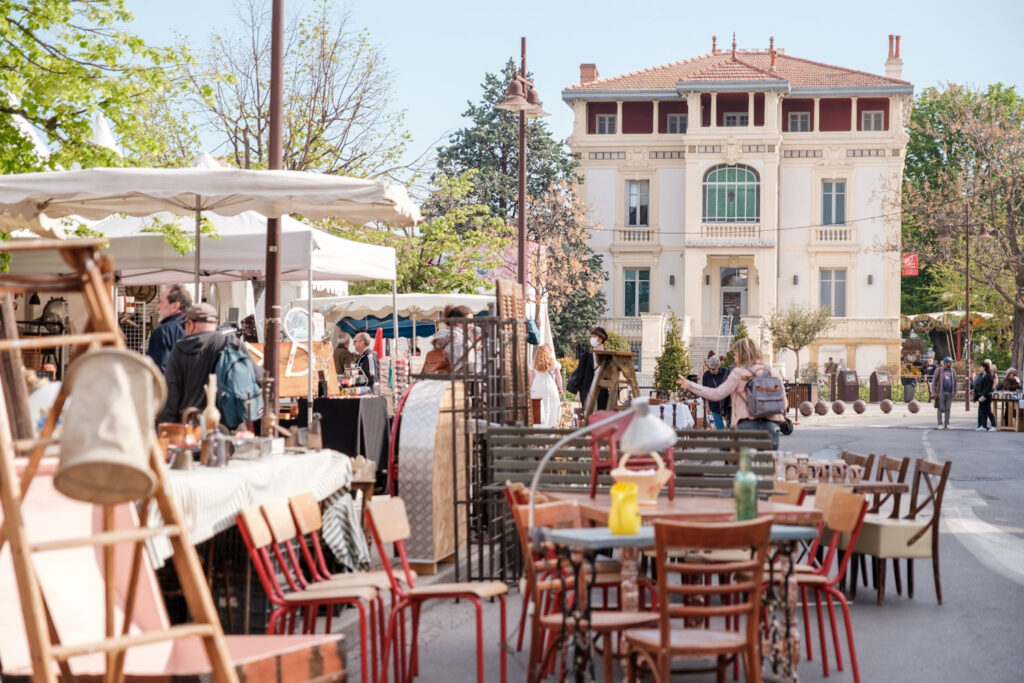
744 489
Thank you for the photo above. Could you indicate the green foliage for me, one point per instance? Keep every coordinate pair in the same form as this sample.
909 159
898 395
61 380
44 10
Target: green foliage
798 326
674 359
448 252
741 333
491 144
571 322
615 342
61 61
178 234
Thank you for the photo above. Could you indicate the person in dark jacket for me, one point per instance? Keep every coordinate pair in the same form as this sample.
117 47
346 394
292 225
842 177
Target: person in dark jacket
984 383
583 375
1009 383
366 359
713 376
174 300
193 360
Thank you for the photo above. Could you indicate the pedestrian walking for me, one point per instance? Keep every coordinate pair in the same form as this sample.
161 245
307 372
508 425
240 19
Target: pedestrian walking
714 376
984 384
943 388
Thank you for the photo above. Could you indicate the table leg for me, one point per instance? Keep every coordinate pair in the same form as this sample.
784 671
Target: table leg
782 647
629 592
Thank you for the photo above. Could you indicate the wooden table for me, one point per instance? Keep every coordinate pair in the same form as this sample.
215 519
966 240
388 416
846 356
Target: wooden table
1008 414
865 487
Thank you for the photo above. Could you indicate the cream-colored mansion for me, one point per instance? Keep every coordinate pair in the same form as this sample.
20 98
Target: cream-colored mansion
738 182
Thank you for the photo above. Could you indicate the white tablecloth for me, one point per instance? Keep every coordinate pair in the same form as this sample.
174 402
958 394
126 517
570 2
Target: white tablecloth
675 415
209 498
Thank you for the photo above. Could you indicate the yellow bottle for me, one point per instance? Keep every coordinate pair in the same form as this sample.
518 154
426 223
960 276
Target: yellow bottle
624 517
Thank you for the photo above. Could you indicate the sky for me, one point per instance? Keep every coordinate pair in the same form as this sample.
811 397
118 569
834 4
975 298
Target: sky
440 51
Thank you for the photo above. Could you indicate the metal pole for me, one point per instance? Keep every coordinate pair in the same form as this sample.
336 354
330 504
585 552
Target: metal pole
967 303
199 220
272 311
309 339
523 265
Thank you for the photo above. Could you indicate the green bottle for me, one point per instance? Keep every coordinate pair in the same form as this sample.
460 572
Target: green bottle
744 489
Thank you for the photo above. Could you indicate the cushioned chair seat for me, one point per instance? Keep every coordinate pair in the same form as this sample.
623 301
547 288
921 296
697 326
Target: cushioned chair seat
888 538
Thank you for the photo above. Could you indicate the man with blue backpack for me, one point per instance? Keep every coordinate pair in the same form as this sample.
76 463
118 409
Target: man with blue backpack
205 350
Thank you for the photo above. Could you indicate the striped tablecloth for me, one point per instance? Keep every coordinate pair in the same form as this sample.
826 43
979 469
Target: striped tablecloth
209 499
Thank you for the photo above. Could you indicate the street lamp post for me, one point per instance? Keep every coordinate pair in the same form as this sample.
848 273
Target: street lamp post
522 98
945 237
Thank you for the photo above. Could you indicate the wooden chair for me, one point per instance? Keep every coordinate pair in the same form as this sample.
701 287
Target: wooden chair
258 538
606 623
844 514
791 492
389 524
891 470
865 461
915 535
694 599
611 434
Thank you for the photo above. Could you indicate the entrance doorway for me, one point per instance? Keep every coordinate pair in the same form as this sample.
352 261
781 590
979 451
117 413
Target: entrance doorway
734 298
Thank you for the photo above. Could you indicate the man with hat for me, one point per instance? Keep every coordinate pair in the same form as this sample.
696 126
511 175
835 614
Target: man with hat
193 360
943 388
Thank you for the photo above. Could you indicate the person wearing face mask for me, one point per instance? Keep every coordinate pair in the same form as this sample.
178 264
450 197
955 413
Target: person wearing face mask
583 376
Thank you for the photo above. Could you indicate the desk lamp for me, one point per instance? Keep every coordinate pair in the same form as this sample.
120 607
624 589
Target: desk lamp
644 434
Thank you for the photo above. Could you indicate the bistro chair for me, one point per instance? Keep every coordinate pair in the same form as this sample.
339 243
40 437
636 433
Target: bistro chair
258 538
694 599
791 492
612 434
608 570
865 461
551 583
389 524
844 514
915 535
893 471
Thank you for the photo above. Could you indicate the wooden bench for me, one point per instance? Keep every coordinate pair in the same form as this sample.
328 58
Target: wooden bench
705 460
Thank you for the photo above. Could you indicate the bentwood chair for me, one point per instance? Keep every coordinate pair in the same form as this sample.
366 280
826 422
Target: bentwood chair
865 461
696 600
258 540
915 535
883 505
389 524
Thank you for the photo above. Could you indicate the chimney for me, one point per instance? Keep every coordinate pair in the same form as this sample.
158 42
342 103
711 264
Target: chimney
771 51
588 73
894 65
714 45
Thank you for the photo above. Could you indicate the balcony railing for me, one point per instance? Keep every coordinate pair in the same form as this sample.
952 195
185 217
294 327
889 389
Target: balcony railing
875 328
729 231
638 235
833 235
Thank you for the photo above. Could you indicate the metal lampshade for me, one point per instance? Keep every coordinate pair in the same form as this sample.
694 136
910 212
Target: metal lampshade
514 100
646 432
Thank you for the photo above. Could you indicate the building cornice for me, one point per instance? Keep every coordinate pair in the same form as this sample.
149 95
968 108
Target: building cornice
851 90
613 95
683 87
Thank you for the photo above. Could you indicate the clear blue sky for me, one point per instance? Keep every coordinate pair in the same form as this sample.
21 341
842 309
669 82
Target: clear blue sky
439 51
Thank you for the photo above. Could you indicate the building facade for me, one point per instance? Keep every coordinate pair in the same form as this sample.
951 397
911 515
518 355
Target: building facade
736 183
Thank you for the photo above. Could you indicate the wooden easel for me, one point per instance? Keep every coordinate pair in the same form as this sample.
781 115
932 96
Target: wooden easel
612 367
93 278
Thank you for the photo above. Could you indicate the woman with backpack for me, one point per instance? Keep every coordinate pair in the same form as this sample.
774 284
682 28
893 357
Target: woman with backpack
760 405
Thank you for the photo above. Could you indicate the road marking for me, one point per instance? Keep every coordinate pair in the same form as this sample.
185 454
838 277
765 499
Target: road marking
992 546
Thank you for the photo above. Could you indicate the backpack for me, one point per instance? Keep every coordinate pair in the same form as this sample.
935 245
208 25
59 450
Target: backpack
766 395
238 393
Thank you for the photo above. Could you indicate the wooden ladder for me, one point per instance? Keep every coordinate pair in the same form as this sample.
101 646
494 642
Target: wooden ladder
93 278
611 367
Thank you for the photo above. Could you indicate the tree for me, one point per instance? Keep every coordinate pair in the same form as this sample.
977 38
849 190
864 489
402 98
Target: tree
674 359
797 326
491 145
571 323
965 171
564 265
446 253
61 61
741 333
337 95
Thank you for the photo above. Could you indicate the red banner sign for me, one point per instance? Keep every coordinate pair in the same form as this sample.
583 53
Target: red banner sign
909 264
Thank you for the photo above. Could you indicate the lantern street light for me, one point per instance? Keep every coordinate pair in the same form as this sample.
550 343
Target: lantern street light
522 98
944 236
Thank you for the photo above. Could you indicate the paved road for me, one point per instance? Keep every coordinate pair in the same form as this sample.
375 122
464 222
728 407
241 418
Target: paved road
977 635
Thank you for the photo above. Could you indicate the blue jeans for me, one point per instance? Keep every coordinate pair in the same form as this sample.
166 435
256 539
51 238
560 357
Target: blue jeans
717 419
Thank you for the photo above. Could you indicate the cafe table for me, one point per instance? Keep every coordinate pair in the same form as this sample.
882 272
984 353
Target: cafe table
862 487
804 521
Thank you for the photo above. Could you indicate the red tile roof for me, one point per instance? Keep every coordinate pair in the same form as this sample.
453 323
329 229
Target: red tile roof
746 65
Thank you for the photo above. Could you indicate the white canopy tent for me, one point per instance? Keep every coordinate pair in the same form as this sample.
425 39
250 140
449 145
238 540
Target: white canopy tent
419 306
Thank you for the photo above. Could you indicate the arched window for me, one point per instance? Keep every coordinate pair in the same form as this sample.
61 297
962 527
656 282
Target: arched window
732 194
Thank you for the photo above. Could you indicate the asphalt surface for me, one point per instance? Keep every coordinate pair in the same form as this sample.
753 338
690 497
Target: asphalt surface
976 635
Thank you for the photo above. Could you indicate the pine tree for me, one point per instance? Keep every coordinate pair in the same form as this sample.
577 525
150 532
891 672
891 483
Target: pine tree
741 333
674 359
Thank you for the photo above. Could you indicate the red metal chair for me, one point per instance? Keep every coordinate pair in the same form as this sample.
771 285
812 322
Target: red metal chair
389 523
258 538
611 434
